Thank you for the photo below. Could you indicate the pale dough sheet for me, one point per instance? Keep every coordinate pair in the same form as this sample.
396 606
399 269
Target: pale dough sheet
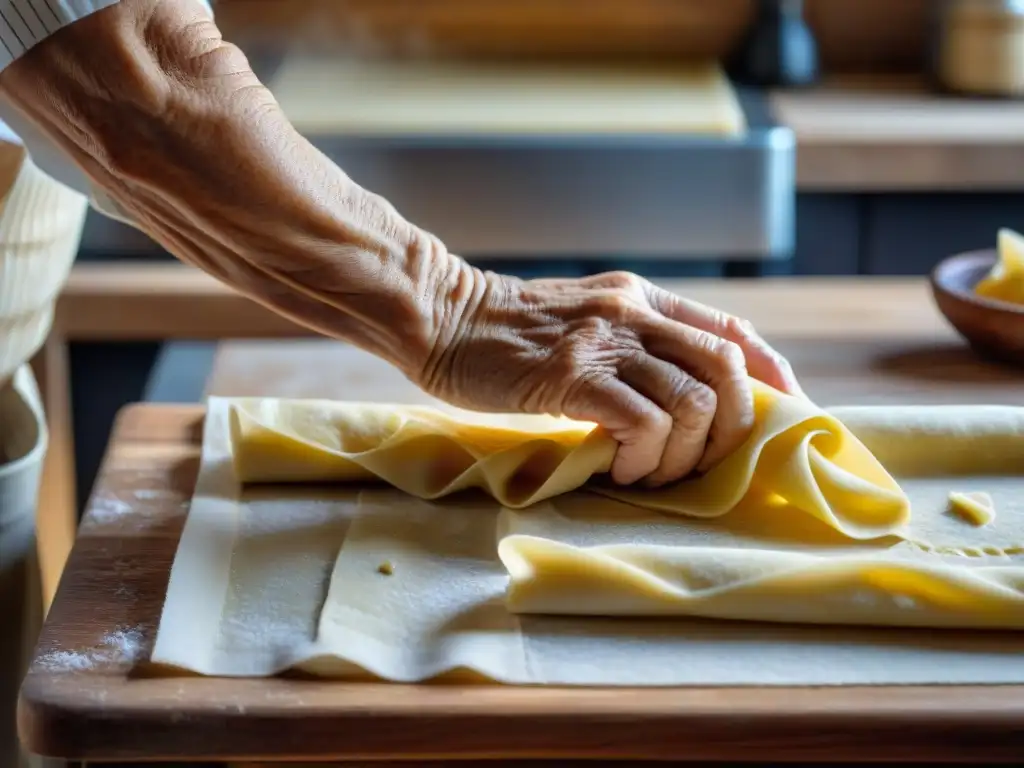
389 98
273 577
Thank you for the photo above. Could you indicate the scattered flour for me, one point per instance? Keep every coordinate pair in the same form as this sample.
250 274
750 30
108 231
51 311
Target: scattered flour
150 494
123 646
106 509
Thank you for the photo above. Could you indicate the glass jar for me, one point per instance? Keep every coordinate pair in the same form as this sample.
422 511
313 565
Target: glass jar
980 47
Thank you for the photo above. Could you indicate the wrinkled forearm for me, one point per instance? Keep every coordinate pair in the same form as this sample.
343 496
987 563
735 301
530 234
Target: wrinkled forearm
170 121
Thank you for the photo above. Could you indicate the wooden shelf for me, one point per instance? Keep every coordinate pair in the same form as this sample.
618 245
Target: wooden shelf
891 133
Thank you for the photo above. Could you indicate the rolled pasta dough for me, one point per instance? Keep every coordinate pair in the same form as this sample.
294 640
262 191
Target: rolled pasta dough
796 452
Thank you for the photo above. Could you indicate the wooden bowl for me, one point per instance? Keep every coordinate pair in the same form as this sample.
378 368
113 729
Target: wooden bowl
995 329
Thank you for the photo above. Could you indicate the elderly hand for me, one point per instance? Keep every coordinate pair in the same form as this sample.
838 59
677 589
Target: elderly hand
171 122
668 378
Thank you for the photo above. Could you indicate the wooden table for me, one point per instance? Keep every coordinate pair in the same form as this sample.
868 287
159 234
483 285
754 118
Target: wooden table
873 341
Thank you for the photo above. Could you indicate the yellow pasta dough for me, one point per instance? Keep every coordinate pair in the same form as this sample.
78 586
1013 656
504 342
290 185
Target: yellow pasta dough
796 452
977 507
425 452
805 522
938 570
1006 280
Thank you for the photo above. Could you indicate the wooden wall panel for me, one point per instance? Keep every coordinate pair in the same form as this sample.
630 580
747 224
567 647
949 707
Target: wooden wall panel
556 28
853 34
870 35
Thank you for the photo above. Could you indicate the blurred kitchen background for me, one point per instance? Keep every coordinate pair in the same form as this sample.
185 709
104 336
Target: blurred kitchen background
875 137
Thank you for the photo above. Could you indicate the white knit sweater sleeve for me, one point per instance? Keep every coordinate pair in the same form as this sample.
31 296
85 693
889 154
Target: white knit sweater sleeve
40 228
41 217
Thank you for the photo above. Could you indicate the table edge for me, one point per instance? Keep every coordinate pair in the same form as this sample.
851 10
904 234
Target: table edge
731 723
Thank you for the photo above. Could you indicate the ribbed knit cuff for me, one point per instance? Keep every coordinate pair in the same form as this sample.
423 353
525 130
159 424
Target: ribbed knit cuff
41 224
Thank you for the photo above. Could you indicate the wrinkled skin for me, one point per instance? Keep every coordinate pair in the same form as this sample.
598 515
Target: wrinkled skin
666 377
172 123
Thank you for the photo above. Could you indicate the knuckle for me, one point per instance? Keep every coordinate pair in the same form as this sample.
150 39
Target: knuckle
656 422
576 365
694 401
589 358
569 367
700 398
576 388
665 302
733 359
593 325
726 356
622 280
614 306
739 327
707 341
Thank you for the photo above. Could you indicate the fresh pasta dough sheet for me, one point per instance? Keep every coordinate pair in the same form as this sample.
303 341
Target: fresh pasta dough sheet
830 542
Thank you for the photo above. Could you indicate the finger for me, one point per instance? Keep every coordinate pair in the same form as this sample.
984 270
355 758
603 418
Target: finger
639 426
764 363
691 405
718 363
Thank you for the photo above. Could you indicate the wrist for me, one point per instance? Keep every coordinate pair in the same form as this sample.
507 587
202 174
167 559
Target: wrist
407 312
459 303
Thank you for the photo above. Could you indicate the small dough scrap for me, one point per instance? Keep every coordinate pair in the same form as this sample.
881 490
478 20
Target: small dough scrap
1005 282
796 452
976 507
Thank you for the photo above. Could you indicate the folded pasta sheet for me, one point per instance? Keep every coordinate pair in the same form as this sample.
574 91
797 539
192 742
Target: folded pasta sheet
425 452
839 518
783 511
937 569
796 452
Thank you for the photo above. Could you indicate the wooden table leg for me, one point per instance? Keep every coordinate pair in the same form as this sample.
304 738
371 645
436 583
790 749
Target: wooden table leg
57 514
